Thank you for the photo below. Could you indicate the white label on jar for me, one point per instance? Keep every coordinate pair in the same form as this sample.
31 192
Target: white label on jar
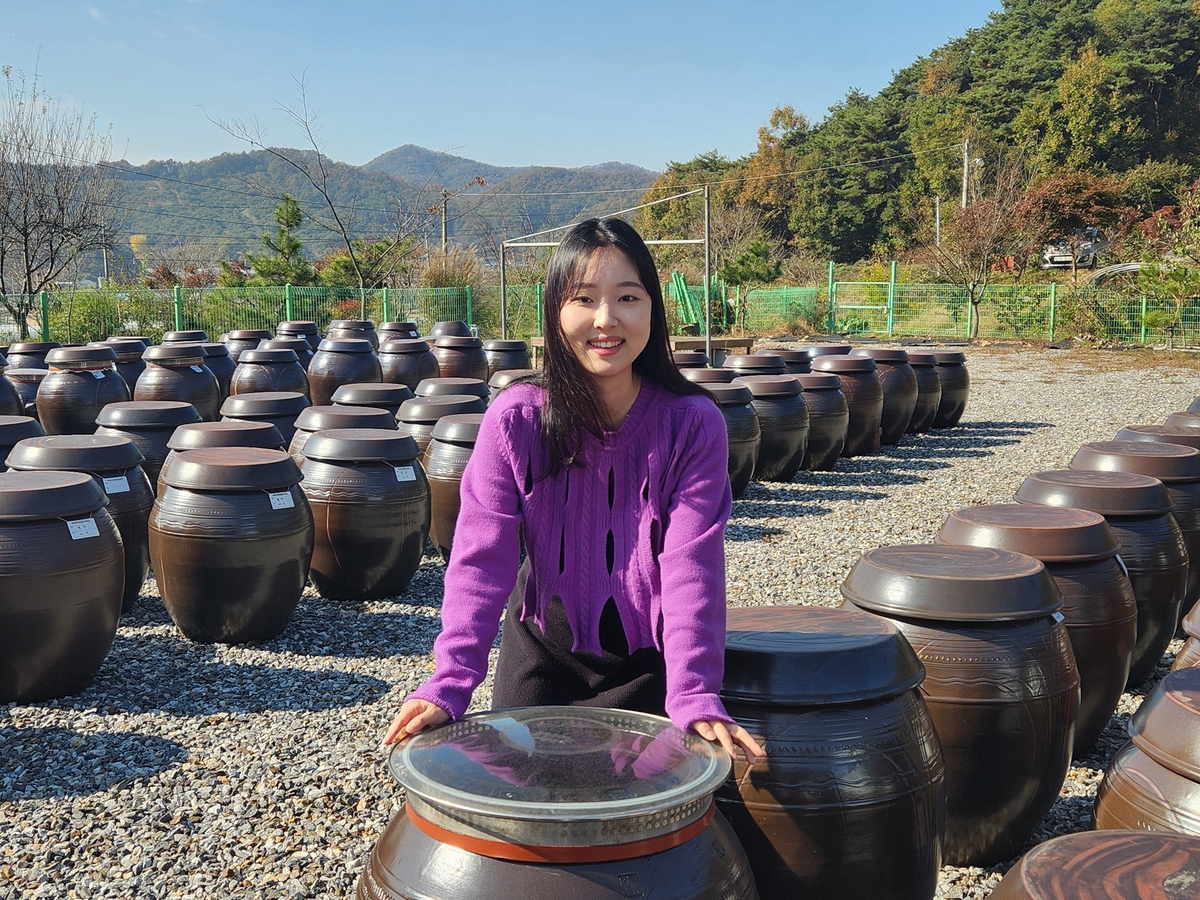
405 473
98 375
1121 563
197 369
118 485
1059 617
83 528
282 500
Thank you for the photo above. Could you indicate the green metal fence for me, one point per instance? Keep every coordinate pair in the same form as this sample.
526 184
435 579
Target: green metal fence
1139 320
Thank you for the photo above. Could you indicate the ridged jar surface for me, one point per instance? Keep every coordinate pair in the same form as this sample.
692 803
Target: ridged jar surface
330 369
929 397
828 420
461 362
1187 514
222 368
230 568
1188 656
370 527
899 383
11 403
1140 794
783 428
60 602
409 368
444 466
864 399
261 377
849 803
130 371
956 387
744 433
503 360
69 400
194 384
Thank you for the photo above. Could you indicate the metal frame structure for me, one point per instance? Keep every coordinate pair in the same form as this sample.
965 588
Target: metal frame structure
523 241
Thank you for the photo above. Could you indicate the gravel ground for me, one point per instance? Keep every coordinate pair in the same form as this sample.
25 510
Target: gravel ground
253 771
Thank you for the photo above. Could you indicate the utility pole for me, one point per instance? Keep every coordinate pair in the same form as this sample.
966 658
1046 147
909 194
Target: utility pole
966 169
445 199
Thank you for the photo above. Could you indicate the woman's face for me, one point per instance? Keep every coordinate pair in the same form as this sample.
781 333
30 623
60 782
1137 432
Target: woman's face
606 317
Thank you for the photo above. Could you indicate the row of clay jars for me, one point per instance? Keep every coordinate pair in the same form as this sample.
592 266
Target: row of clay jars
80 382
341 361
259 371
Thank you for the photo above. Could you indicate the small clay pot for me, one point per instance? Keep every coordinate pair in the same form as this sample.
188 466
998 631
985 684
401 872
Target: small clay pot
218 436
149 424
956 386
690 359
709 376
14 429
929 391
445 386
503 355
177 372
864 400
260 371
900 389
828 420
130 364
325 418
797 362
418 416
445 458
30 354
80 383
298 345
379 395
341 361
783 425
461 357
456 328
391 331
742 429
278 408
505 377
26 383
353 329
243 339
301 328
407 362
756 364
221 364
193 336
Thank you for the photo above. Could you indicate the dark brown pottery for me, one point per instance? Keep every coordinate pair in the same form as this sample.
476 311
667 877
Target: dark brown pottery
298 345
503 355
380 395
956 386
899 383
1183 420
11 403
929 390
149 424
742 429
864 400
1000 681
390 331
146 342
278 408
242 339
370 503
14 429
445 458
407 362
1162 434
456 328
130 364
417 416
708 376
756 364
338 362
1128 864
1079 551
505 377
219 435
445 386
324 418
193 336
1189 655
220 363
80 383
177 372
26 383
798 362
353 329
30 354
262 371
61 573
461 357
815 350
850 800
1166 727
1138 508
301 328
689 359
828 419
1139 793
115 464
783 425
231 536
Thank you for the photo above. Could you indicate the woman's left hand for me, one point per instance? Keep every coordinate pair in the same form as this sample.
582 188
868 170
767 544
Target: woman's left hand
730 736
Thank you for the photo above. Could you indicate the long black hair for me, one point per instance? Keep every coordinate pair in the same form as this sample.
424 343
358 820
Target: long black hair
570 407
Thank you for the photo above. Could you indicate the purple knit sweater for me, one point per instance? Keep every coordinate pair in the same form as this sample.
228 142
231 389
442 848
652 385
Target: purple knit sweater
642 522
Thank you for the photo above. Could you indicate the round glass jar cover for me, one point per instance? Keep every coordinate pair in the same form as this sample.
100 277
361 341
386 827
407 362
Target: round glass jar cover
560 776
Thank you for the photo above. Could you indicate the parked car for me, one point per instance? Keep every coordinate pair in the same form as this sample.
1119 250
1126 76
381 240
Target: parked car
1087 243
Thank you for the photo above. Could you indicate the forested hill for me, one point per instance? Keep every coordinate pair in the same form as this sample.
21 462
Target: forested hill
1106 87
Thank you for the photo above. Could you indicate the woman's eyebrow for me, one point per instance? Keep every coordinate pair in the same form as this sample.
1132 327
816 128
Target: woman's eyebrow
587 286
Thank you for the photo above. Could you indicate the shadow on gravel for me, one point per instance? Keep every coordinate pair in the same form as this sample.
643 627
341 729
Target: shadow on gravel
348 629
44 763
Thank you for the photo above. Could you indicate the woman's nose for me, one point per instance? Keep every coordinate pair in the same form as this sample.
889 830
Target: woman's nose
606 314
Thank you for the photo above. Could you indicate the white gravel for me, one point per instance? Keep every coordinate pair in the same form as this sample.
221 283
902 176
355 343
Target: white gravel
252 771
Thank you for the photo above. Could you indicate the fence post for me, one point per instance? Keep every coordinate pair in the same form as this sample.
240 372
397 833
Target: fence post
1053 307
891 300
178 308
45 303
970 316
387 306
541 298
470 306
1145 304
832 299
287 302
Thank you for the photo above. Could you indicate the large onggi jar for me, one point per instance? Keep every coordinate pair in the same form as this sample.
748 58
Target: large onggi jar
828 419
149 424
177 372
709 376
817 350
444 387
742 429
461 357
302 328
1161 434
26 383
262 371
505 354
13 430
797 362
186 336
220 363
219 435
783 425
130 364
761 363
341 361
407 362
929 390
1000 682
11 403
231 536
353 329
956 387
370 502
30 354
62 569
445 458
864 400
453 328
81 381
505 377
688 359
278 408
900 389
379 395
850 800
298 345
241 339
418 416
389 331
323 418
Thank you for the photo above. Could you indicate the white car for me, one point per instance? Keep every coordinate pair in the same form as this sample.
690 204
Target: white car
1087 243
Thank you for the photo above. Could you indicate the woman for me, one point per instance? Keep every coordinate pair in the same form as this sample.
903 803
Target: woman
613 468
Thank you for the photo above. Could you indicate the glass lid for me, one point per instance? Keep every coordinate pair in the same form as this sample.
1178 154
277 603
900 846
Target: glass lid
559 764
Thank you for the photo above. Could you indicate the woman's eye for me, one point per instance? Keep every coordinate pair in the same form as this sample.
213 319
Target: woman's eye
630 298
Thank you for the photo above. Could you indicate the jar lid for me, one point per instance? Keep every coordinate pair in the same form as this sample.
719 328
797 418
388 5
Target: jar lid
505 377
1049 533
249 334
455 327
441 387
951 583
814 655
500 345
708 376
17 428
371 393
65 357
843 363
351 325
404 345
1166 727
406 327
360 445
815 350
76 453
688 359
268 356
461 429
770 385
177 353
560 775
345 345
1191 622
1177 420
185 337
27 375
790 357
297 326
147 414
819 382
124 345
735 393
1168 463
949 357
27 496
212 349
232 469
264 403
458 342
770 362
34 347
1165 434
297 345
236 433
319 418
887 355
921 358
1107 493
430 409
146 342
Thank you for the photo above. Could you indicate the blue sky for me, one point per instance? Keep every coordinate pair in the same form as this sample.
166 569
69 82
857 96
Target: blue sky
532 83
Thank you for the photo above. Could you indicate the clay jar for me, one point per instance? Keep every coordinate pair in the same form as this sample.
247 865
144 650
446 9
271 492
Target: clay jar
828 419
390 331
455 328
1000 682
242 339
1189 655
278 408
797 362
115 464
260 371
130 364
379 395
298 345
461 357
30 354
353 329
505 377
899 383
929 390
61 573
742 429
407 362
193 336
450 445
756 364
709 376
956 386
338 362
1138 508
301 328
417 416
13 430
864 400
221 364
1079 551
850 800
815 350
689 359
149 424
444 387
177 372
783 425
503 355
219 435
1161 434
11 403
81 382
1178 468
370 503
26 382
324 418
231 536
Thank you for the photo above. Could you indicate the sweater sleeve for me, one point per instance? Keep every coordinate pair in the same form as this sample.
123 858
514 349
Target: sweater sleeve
482 570
692 565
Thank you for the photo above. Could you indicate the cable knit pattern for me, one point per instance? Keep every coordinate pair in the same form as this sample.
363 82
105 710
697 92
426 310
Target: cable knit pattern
643 522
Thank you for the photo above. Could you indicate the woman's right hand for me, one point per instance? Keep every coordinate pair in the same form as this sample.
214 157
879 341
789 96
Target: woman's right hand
415 716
